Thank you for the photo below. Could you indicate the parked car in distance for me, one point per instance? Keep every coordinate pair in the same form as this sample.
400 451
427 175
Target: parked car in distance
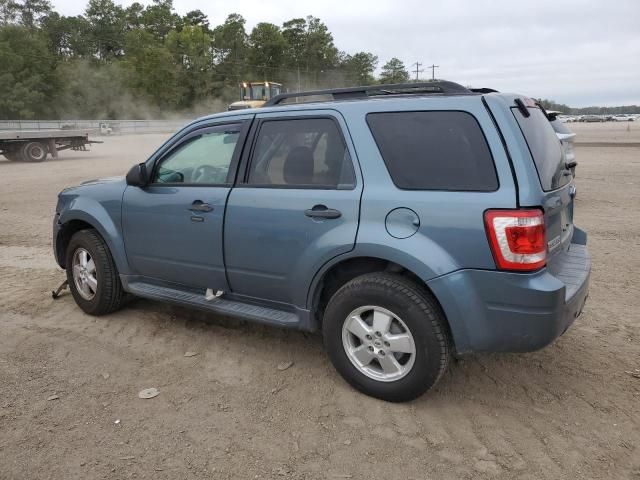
404 222
623 118
566 137
591 119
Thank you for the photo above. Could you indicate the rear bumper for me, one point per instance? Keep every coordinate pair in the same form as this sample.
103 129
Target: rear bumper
491 311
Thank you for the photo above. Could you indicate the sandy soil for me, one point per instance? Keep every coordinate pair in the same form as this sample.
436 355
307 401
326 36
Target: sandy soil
569 411
616 132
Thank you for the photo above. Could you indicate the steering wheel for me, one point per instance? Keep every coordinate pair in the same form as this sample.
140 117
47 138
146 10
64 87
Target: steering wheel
208 174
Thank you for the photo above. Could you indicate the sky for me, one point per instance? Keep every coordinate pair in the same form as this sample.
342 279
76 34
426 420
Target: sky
576 52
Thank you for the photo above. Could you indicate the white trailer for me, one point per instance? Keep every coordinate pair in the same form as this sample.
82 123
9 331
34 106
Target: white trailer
34 146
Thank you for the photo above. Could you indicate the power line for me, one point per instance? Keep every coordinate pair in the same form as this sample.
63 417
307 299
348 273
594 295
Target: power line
433 70
417 70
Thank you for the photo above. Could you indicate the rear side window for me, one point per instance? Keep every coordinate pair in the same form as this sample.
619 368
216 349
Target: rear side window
301 153
544 147
434 150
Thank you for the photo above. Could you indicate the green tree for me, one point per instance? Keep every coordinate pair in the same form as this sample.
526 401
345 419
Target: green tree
311 49
191 48
320 52
197 18
107 28
27 79
9 10
133 16
67 35
295 34
230 39
31 11
152 72
145 60
359 68
394 71
267 50
230 51
159 18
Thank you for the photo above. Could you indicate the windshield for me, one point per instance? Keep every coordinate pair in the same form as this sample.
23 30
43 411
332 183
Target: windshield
259 92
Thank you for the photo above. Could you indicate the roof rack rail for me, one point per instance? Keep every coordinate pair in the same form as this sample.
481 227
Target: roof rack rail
439 86
483 90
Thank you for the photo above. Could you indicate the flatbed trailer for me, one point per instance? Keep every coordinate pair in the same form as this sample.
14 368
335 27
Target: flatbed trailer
34 146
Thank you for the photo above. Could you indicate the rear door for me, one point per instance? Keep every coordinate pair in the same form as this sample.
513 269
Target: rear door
555 178
295 206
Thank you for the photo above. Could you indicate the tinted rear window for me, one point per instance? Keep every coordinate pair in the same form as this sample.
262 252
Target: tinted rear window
544 147
434 150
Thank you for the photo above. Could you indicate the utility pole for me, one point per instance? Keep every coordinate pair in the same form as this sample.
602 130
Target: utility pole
418 71
433 71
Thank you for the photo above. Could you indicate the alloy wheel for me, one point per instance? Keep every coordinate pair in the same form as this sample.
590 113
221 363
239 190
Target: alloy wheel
84 274
378 343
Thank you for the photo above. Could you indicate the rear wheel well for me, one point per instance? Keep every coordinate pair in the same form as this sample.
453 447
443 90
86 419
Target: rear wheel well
64 237
345 271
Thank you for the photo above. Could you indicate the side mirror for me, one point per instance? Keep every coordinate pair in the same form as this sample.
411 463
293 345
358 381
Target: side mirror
137 176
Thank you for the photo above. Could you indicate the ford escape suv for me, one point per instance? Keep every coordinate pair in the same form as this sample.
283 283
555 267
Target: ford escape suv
406 222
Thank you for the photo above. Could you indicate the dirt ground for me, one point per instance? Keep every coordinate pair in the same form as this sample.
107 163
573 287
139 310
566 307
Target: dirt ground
609 132
568 411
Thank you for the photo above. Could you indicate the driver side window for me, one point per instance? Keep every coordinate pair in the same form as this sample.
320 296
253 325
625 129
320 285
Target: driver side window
203 159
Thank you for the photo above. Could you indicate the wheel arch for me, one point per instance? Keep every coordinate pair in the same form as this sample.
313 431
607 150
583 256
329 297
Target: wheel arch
75 220
342 270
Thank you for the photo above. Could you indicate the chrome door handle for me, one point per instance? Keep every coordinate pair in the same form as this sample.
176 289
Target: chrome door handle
321 211
200 206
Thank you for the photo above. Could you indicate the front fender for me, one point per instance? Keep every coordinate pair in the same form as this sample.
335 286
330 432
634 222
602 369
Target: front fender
105 219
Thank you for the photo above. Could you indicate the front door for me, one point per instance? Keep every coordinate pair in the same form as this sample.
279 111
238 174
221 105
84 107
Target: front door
295 207
173 227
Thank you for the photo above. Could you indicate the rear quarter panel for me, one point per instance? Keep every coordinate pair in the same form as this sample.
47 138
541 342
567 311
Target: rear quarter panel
451 233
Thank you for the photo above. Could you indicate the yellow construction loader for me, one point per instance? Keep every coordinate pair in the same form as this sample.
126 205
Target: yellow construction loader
255 94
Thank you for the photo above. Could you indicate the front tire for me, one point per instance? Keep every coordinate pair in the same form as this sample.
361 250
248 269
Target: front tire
386 336
92 274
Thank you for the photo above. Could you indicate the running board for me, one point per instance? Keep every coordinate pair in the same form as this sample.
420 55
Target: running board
220 306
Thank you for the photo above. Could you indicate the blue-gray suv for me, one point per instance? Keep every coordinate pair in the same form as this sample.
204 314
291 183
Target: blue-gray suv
406 222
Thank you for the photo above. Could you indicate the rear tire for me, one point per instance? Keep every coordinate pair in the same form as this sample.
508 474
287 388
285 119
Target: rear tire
34 151
92 274
416 317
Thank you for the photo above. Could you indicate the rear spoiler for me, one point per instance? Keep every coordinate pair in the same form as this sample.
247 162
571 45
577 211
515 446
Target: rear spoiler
565 136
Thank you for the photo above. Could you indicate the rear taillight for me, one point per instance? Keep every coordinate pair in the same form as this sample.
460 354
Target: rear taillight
517 238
